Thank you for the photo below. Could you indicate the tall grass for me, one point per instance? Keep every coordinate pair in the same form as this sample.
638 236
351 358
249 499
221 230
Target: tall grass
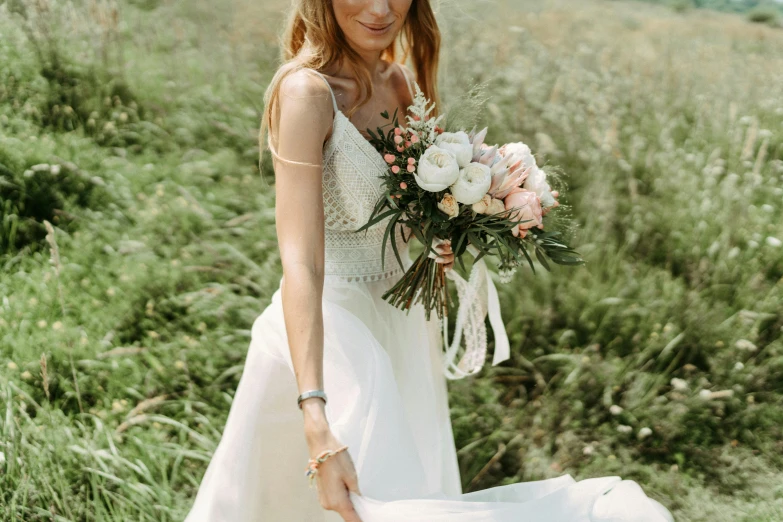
124 322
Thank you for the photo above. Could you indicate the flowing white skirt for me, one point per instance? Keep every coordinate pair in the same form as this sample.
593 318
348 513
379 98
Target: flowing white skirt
388 403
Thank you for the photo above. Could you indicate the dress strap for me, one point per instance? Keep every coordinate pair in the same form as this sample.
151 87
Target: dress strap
334 100
407 79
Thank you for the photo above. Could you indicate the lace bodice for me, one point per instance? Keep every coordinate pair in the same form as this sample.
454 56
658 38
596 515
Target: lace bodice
352 185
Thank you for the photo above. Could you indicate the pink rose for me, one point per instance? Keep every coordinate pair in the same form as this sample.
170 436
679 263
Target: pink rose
390 158
398 139
414 139
397 131
411 168
527 208
403 185
411 161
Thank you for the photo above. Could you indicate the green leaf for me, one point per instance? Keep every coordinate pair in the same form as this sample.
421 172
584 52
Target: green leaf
542 259
394 241
378 218
385 115
529 260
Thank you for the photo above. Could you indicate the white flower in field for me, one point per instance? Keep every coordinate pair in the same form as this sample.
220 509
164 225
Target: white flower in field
738 366
536 182
57 325
472 184
588 450
644 433
506 276
449 205
679 384
2 457
614 409
55 170
744 344
705 394
622 428
459 144
12 365
26 375
437 169
734 252
774 242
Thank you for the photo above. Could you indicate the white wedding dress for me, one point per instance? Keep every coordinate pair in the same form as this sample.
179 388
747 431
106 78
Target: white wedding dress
385 382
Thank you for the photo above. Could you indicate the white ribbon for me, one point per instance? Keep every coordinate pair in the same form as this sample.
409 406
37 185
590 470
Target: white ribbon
477 298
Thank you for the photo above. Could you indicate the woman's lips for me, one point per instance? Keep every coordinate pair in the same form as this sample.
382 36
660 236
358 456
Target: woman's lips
375 30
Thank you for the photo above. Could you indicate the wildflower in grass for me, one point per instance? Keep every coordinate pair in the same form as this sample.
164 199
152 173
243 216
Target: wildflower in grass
744 344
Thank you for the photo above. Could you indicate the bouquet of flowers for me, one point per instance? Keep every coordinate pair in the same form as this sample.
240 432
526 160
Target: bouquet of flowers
444 185
487 200
451 185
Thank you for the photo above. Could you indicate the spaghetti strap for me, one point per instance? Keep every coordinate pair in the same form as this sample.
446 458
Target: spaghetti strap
334 100
407 79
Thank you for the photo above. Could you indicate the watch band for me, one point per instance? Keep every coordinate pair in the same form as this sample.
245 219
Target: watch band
308 394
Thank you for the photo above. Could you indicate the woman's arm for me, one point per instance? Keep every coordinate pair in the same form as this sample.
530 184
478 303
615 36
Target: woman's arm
305 117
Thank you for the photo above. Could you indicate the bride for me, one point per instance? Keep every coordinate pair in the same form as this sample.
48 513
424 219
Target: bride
372 399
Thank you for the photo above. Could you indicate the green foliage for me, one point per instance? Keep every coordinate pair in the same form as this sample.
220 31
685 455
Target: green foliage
765 15
733 6
32 193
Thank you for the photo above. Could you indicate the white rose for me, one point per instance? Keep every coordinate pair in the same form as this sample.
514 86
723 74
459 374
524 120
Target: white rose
472 184
449 205
459 144
536 182
437 169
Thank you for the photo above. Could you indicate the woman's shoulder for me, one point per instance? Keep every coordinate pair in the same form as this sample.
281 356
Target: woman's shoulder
305 101
305 83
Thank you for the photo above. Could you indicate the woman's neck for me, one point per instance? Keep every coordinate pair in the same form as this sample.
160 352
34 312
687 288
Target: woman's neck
372 60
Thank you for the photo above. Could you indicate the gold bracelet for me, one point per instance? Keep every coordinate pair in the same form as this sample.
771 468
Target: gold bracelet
312 465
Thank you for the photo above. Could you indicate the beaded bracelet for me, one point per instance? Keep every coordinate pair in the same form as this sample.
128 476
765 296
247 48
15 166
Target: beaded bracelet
312 466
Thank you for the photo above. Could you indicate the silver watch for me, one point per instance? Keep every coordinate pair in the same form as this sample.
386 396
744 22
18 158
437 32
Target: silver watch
312 393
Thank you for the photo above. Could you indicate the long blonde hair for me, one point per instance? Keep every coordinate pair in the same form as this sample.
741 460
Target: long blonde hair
313 39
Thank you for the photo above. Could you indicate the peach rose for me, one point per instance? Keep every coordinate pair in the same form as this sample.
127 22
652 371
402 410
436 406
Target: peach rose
449 205
527 208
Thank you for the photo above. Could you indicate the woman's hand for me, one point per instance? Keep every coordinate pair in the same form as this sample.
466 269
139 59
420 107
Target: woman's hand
446 255
336 476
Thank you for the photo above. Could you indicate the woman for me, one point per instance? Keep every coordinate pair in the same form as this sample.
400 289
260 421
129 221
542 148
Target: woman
375 371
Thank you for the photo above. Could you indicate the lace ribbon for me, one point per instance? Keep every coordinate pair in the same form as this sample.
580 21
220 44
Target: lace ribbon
477 297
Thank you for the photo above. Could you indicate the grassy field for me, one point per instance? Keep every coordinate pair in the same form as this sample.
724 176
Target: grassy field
131 129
